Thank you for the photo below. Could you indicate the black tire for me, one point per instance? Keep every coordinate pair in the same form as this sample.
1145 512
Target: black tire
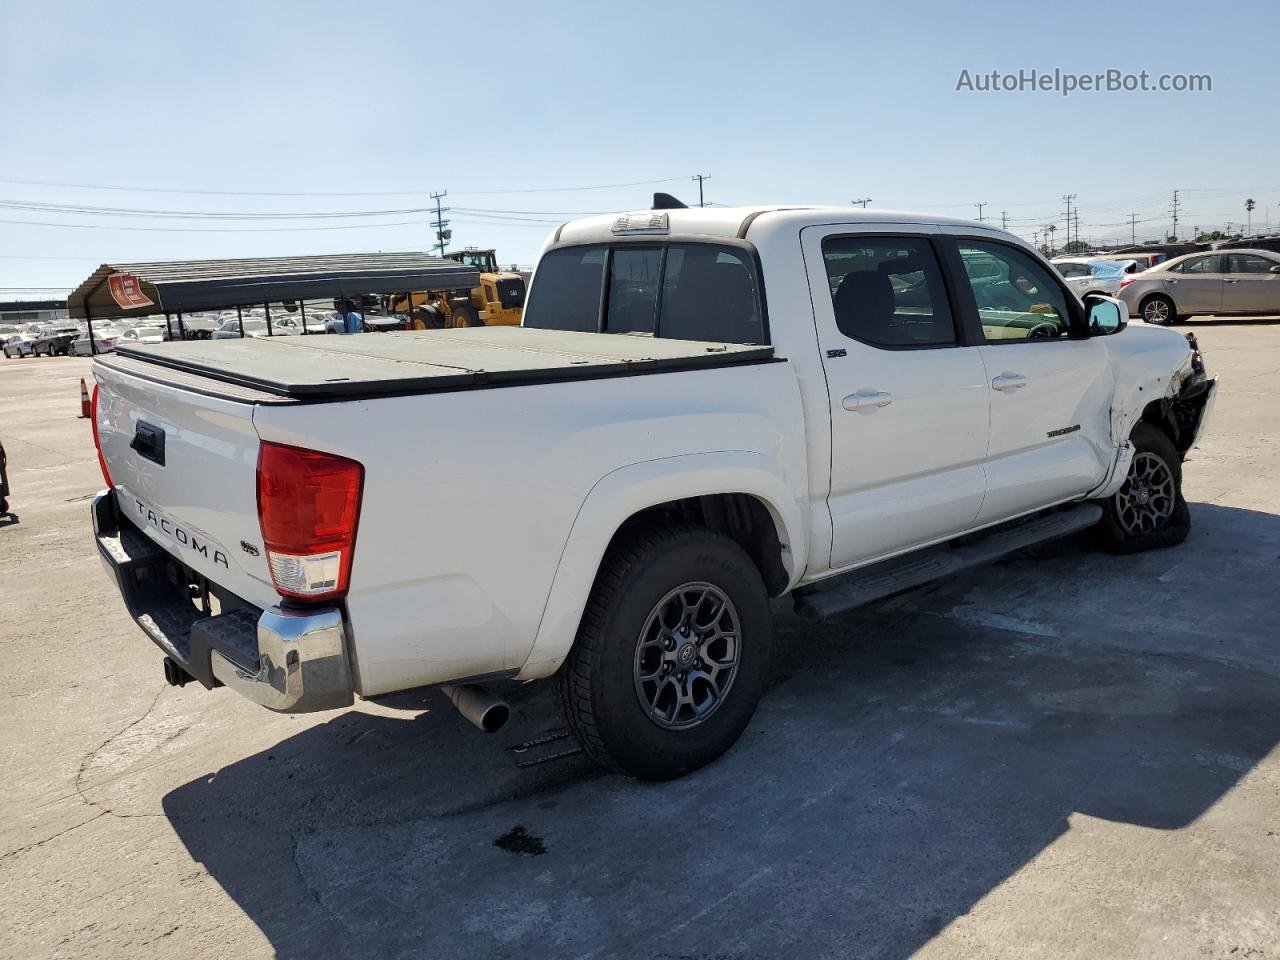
1159 310
464 315
598 688
1118 531
431 318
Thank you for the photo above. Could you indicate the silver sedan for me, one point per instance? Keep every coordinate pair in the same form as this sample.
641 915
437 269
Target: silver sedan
1223 283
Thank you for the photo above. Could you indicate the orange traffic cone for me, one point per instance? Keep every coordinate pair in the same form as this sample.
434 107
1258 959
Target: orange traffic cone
84 400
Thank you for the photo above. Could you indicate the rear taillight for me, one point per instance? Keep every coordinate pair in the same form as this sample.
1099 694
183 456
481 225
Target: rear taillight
308 507
97 443
1125 281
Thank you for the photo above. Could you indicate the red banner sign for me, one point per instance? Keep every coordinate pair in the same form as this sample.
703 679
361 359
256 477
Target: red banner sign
126 290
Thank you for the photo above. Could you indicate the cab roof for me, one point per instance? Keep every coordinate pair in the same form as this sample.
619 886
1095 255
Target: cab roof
738 222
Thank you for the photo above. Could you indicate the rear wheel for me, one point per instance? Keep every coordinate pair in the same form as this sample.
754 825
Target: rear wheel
672 654
1148 512
1158 309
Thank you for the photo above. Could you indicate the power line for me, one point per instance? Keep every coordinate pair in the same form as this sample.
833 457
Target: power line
113 226
86 210
321 193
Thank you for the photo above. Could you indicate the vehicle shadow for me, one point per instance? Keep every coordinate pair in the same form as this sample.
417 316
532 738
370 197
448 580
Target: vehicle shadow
908 760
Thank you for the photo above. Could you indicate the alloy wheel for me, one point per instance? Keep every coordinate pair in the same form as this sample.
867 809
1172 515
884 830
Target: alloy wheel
687 655
1146 501
1156 311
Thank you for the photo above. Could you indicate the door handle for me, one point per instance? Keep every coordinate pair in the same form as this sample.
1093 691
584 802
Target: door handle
867 401
1009 382
1230 281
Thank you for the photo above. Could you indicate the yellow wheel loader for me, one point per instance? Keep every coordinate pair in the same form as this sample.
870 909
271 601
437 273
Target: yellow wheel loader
497 301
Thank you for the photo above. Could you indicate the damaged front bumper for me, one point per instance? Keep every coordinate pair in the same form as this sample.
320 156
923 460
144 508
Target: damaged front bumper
1189 409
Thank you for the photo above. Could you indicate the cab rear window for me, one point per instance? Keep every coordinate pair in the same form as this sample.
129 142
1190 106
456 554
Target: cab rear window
683 291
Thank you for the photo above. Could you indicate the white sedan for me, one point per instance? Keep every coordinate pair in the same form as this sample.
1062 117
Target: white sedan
1086 275
144 335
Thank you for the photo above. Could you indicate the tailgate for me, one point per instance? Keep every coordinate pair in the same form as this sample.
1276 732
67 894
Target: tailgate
184 465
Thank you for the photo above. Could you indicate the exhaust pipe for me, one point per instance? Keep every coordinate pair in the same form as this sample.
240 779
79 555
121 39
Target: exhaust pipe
174 675
478 705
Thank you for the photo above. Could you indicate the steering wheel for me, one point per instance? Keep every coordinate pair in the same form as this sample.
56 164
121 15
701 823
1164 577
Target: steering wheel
1042 331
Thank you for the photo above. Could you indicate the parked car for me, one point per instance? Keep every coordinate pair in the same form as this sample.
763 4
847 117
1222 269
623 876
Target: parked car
1224 283
55 341
1144 261
257 327
103 344
609 494
19 345
1093 275
144 334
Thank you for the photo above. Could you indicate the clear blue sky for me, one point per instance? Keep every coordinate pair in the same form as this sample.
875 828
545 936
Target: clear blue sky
790 102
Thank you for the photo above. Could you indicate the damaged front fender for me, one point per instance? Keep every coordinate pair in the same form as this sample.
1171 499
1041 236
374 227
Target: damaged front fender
1157 380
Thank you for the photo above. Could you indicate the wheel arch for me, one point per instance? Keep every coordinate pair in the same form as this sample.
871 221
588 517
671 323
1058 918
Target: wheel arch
739 493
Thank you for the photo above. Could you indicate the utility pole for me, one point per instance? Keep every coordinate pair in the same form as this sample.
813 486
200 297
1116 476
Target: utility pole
1077 227
443 236
700 177
1068 197
1004 220
1035 239
1133 229
1174 211
862 202
981 219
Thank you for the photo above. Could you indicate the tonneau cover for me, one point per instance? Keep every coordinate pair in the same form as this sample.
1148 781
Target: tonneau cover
333 367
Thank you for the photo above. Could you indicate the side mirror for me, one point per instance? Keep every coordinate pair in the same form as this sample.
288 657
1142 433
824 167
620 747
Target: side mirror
1106 316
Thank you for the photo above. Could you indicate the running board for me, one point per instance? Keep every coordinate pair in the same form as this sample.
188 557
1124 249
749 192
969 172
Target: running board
884 579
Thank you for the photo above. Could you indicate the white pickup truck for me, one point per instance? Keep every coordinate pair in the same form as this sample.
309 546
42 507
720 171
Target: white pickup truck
703 409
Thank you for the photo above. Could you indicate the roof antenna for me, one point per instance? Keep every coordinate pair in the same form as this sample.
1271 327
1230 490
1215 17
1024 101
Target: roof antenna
665 201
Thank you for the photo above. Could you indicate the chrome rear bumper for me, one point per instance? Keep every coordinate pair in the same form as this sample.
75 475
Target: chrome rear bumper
290 661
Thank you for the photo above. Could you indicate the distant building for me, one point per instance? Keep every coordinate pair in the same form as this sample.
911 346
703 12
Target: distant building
32 311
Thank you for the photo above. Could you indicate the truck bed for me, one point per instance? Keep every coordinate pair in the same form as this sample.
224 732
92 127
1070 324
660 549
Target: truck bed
341 367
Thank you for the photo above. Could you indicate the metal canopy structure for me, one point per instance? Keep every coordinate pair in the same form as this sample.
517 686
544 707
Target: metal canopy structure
182 286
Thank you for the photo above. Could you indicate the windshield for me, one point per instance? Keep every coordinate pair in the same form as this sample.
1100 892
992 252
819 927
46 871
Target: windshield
683 291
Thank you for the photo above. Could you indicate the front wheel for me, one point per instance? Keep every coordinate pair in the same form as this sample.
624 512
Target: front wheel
463 315
1148 512
672 654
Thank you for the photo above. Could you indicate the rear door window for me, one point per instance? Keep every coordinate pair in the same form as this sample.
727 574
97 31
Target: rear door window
888 291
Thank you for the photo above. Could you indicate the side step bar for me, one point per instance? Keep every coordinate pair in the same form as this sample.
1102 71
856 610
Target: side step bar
884 579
